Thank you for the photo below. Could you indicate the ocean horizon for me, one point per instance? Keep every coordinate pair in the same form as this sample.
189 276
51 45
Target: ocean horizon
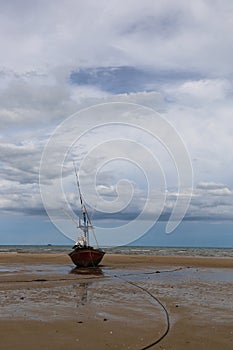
138 250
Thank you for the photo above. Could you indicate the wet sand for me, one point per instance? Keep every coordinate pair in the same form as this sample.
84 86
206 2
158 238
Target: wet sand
46 303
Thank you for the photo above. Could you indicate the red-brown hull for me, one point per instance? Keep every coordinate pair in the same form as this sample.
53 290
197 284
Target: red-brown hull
86 257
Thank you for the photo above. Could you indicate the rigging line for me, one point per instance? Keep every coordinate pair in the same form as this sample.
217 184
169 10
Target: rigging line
70 216
94 235
162 306
80 195
84 206
92 227
76 174
93 212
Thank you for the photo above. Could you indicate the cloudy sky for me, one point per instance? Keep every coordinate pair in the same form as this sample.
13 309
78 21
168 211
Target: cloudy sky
61 57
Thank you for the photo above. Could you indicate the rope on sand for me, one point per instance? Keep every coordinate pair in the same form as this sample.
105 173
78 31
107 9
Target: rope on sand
162 306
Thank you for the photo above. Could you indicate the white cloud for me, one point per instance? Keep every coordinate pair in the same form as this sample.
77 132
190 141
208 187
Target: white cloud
160 35
201 92
16 198
186 48
201 110
210 186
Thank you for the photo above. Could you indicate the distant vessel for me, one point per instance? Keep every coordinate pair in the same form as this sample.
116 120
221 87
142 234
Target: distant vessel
83 255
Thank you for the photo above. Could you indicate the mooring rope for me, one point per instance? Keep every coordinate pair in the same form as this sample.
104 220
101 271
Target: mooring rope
162 306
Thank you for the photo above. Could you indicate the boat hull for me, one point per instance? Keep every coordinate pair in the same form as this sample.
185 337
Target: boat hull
86 257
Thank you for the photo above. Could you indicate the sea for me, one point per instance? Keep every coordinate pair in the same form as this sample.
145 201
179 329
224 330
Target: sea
142 250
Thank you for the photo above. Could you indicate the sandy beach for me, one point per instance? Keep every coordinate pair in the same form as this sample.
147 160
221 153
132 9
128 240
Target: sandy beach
129 302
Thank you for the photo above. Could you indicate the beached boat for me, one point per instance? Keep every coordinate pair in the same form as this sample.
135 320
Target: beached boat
83 255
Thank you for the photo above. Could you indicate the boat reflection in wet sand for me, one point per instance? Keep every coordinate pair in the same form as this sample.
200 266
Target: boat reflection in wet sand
90 271
83 255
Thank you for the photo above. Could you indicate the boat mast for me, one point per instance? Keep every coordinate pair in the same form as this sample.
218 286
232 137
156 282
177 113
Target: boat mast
85 215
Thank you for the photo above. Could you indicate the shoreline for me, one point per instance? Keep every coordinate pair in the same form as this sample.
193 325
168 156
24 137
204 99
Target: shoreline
118 259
